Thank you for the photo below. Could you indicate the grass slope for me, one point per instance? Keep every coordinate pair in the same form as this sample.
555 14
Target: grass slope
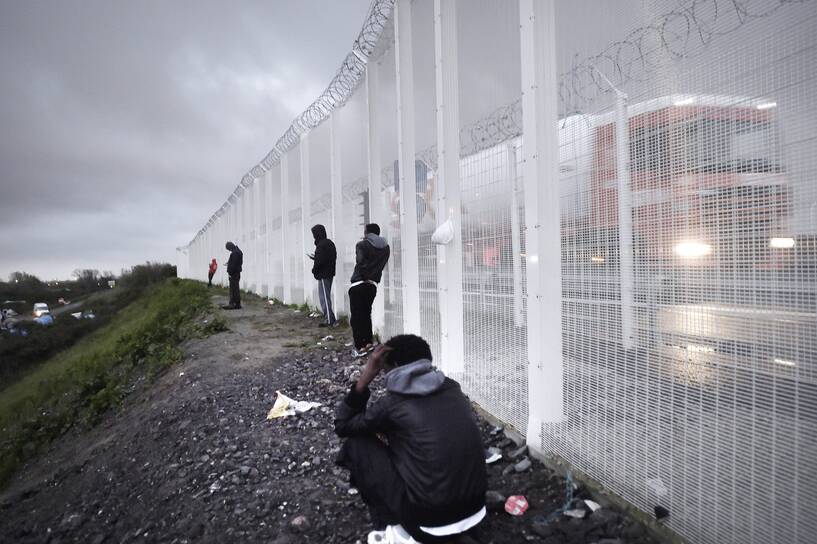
80 384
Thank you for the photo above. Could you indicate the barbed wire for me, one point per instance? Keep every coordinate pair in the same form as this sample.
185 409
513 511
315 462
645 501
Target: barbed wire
340 88
674 34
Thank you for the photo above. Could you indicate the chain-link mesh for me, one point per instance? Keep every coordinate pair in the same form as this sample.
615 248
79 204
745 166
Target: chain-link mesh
687 207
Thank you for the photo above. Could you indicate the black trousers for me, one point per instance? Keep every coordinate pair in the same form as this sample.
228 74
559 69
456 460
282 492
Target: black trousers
210 278
380 485
235 293
361 298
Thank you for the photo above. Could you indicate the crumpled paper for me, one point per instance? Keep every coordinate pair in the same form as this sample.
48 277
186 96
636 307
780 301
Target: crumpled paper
285 406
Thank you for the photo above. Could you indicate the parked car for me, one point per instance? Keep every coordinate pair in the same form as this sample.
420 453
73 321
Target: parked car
45 319
40 309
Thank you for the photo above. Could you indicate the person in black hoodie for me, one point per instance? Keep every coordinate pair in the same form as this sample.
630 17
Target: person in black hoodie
371 255
427 472
234 264
323 269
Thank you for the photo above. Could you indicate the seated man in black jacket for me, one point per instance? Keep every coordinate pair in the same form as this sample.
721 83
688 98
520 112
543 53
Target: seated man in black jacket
415 455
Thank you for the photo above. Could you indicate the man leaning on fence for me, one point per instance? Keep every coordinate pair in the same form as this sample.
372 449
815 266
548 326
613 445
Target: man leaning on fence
371 255
323 269
234 264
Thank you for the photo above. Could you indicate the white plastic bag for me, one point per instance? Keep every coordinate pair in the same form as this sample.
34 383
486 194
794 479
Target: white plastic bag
444 233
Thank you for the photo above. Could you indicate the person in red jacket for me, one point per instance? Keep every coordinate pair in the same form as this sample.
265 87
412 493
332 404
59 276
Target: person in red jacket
212 272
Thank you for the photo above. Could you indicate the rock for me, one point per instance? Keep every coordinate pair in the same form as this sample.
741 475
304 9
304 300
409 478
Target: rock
494 501
522 465
543 528
504 443
244 469
299 524
519 452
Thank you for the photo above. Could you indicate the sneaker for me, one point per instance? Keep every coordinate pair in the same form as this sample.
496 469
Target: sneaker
394 534
358 354
492 455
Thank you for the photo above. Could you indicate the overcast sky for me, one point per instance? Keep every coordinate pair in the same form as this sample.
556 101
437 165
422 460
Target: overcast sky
124 125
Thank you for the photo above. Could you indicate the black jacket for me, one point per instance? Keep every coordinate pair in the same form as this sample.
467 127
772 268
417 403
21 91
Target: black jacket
325 254
235 261
434 442
371 255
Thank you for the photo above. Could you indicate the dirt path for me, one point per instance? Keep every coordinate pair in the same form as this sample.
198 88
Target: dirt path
193 459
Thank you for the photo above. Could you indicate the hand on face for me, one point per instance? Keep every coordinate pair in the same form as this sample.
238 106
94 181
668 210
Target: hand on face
373 367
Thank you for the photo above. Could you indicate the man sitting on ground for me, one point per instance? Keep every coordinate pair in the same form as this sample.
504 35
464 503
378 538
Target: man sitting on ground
415 455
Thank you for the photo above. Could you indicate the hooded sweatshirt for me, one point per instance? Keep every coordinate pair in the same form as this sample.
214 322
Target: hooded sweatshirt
235 261
433 441
325 254
371 255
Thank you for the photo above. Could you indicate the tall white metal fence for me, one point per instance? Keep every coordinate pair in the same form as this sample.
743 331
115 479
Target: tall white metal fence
632 283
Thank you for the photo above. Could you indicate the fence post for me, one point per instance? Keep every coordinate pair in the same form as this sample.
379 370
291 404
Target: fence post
516 235
541 172
306 217
377 213
407 178
625 220
336 189
449 264
259 245
268 216
262 243
287 296
251 279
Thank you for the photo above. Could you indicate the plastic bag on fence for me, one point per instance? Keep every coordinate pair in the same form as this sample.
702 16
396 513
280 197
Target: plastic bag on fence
444 233
285 406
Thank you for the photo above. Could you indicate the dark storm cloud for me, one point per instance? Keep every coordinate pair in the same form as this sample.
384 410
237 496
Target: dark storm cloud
123 125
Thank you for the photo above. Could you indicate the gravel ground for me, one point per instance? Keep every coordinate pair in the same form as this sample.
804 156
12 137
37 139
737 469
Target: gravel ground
192 458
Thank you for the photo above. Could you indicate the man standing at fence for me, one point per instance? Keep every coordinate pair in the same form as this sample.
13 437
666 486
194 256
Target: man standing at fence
234 272
371 255
323 269
426 475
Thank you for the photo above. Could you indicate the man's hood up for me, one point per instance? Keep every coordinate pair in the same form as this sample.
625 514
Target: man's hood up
377 241
319 233
417 378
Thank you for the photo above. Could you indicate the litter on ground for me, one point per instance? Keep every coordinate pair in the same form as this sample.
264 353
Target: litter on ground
285 406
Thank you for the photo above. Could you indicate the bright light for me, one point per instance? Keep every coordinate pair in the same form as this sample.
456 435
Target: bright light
766 105
784 362
684 101
692 249
534 258
782 243
699 349
597 258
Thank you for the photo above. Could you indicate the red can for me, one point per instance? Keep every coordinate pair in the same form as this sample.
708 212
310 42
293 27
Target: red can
516 505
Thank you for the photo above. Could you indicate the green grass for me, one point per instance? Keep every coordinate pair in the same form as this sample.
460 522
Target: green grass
80 384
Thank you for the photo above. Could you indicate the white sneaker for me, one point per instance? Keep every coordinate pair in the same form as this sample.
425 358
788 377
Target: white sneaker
394 534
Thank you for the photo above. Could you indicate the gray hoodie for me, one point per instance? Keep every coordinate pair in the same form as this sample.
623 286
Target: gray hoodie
371 255
418 378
